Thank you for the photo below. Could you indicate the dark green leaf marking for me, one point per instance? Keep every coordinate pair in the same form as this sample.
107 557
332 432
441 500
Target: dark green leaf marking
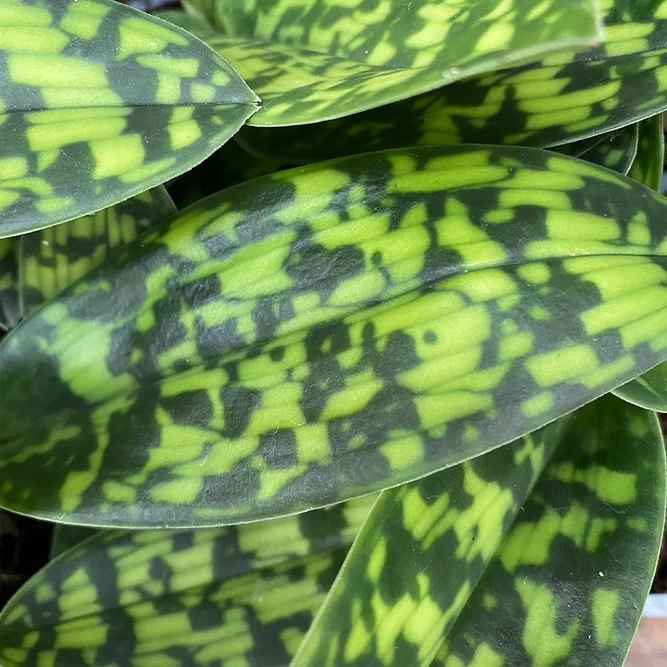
561 98
99 102
331 331
650 390
243 595
310 60
55 257
569 582
419 556
451 560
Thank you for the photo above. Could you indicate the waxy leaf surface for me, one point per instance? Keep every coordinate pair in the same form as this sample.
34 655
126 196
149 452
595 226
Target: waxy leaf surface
650 390
481 566
99 102
243 595
311 61
561 98
331 331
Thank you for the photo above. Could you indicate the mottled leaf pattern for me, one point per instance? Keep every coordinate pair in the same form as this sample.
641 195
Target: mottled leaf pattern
330 331
569 582
9 294
420 555
55 257
311 60
650 390
99 102
435 563
229 597
562 98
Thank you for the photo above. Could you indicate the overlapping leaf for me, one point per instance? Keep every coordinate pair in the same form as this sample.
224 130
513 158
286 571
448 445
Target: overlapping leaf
99 102
419 556
231 596
310 60
326 332
557 100
617 151
435 564
648 165
9 301
650 390
572 576
55 257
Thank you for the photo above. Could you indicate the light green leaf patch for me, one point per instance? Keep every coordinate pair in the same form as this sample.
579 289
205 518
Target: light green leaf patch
561 98
520 557
230 596
326 332
313 61
101 102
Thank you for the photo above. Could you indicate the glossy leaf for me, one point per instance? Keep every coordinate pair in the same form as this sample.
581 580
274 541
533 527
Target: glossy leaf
570 580
420 554
650 390
228 166
331 331
310 61
562 98
9 301
53 258
234 596
101 102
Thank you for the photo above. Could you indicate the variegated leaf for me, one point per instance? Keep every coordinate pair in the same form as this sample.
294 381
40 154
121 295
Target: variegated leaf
55 257
99 102
616 151
311 61
562 98
331 331
650 390
235 596
450 565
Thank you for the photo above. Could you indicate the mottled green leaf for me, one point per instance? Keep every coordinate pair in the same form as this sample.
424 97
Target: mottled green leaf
562 98
451 560
310 60
99 102
571 578
55 257
650 390
228 597
9 301
330 331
